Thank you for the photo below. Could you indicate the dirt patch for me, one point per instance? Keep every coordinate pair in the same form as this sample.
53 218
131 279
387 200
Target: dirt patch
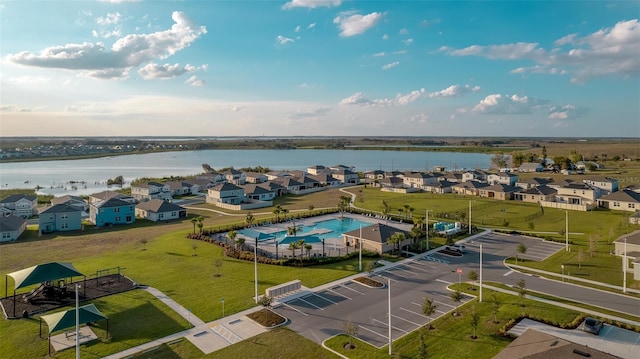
62 297
450 253
369 282
267 318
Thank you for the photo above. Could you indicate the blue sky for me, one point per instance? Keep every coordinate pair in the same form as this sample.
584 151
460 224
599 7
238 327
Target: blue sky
320 68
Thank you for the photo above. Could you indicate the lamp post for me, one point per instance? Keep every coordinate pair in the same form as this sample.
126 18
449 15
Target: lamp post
469 217
427 223
389 300
566 231
255 266
77 323
480 297
624 268
360 254
223 307
562 267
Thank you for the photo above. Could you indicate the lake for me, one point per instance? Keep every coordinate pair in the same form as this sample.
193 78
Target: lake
91 175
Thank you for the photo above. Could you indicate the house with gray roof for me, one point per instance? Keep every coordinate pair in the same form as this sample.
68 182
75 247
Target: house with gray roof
290 183
440 187
255 177
228 193
107 195
502 178
391 182
418 180
529 167
73 201
606 184
527 183
374 238
159 210
258 193
625 200
499 191
326 180
468 188
276 188
536 194
11 227
151 190
346 176
112 211
60 218
21 205
317 169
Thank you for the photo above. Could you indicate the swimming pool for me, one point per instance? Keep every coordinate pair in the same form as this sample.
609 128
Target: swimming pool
331 228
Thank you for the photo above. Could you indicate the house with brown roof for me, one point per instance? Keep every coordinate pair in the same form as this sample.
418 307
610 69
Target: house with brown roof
374 238
326 180
259 193
346 176
317 169
274 187
255 177
418 180
536 194
529 167
499 191
391 182
159 210
469 188
73 201
527 183
228 193
578 193
625 200
107 195
11 227
606 184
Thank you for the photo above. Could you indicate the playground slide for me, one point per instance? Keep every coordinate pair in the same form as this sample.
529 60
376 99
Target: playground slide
34 292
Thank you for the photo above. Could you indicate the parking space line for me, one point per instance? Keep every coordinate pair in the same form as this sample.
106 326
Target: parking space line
321 297
445 304
344 286
424 263
406 320
311 304
373 331
404 270
296 309
414 267
443 281
393 280
340 294
387 324
412 312
506 274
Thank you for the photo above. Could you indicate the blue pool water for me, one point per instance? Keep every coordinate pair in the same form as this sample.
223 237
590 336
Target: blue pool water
332 228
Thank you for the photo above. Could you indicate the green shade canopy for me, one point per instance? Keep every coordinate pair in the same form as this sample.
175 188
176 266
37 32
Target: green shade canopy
43 273
307 239
61 320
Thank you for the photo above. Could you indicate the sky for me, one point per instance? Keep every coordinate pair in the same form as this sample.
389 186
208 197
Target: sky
320 68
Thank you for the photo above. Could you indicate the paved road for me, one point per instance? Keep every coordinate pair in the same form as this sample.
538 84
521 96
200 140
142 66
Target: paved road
321 313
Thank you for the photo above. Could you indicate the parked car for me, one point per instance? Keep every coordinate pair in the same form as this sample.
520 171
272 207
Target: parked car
592 325
456 247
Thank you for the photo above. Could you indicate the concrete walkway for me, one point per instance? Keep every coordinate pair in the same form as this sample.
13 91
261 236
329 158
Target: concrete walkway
186 314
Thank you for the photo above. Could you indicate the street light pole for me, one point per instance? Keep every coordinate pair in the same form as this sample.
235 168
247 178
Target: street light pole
566 231
389 300
427 230
469 217
223 307
562 266
77 323
360 254
624 268
255 266
480 297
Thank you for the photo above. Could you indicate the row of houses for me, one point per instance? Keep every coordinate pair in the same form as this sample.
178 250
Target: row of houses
584 194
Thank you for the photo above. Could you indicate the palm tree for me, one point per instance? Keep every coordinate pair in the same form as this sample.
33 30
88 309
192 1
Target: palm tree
199 219
232 235
277 212
249 219
411 209
311 207
240 243
343 204
429 308
300 245
308 247
396 239
406 210
194 220
292 247
284 211
293 230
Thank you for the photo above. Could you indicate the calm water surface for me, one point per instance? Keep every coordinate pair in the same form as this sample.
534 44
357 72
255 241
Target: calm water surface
91 175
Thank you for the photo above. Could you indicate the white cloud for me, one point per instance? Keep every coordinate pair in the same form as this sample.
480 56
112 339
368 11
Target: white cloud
403 31
15 108
166 71
609 51
410 97
455 90
378 54
110 19
194 81
391 65
297 29
94 60
311 4
86 107
505 104
419 118
352 24
281 40
566 112
108 26
355 99
310 113
311 26
385 37
407 42
400 52
400 100
28 80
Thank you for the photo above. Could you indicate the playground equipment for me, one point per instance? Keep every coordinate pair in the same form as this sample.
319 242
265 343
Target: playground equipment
47 291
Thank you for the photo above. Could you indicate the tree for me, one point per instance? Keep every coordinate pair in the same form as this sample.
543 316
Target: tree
194 221
293 230
232 235
343 204
249 219
308 248
500 160
521 288
406 211
475 321
522 249
531 226
218 264
544 153
456 297
351 330
292 247
200 225
277 211
580 258
239 242
575 156
429 308
311 207
285 211
265 302
194 245
495 307
472 276
370 267
518 159
422 348
300 245
396 239
593 244
415 233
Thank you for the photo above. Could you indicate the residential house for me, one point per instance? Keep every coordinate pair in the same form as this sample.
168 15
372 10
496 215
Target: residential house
289 183
440 187
499 191
578 193
625 200
326 180
318 169
199 185
11 227
537 194
60 218
453 177
21 205
586 165
375 238
258 192
342 167
418 180
107 195
151 190
439 169
226 193
234 176
529 167
502 178
629 245
274 187
346 176
111 211
212 177
73 201
391 182
374 175
608 185
308 182
277 174
388 174
182 188
159 210
475 175
469 188
527 183
255 177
